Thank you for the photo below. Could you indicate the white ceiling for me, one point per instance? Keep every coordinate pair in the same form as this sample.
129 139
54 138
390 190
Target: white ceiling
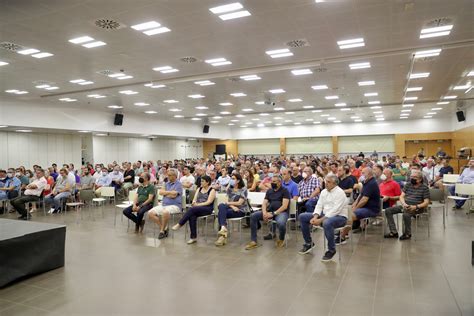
390 30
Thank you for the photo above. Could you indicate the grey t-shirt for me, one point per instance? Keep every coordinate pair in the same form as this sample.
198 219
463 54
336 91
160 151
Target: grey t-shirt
87 182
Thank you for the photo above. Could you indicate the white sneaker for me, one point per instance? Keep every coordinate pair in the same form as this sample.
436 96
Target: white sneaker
51 210
176 227
191 241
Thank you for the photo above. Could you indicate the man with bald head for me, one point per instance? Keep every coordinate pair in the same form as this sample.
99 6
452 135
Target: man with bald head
367 203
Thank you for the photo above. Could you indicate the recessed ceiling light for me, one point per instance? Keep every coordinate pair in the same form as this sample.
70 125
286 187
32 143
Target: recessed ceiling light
331 97
250 77
436 31
128 92
28 51
462 87
42 55
380 119
255 119
195 119
450 97
115 107
261 125
299 72
359 65
427 53
316 111
165 69
345 109
297 123
146 25
204 83
80 40
375 107
201 107
278 109
67 100
238 94
83 131
408 105
358 120
436 109
3 63
294 100
331 118
171 101
336 121
277 91
178 116
431 113
76 80
154 86
317 122
234 15
403 117
319 87
404 114
374 102
278 124
340 104
159 30
427 116
51 88
94 44
288 121
23 130
351 43
141 104
412 89
218 61
234 120
308 106
324 115
278 53
378 112
214 122
278 118
226 8
196 96
85 83
151 112
225 103
42 86
240 115
309 120
225 112
442 103
124 77
174 110
201 114
410 98
121 74
371 94
366 83
408 110
419 75
289 113
264 114
247 110
260 102
14 91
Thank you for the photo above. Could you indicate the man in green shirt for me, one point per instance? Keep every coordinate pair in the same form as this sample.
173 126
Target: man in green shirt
143 203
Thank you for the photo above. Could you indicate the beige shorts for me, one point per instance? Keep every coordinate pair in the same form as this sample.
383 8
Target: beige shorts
160 209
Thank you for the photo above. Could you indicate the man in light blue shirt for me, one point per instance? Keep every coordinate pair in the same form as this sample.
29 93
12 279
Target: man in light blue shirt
11 186
289 184
103 181
466 177
171 203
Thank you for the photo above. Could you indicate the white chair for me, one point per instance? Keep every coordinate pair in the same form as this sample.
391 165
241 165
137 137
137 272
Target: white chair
466 189
256 198
131 197
450 178
371 220
222 198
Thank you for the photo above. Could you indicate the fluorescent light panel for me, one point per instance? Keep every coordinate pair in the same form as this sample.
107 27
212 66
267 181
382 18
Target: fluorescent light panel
359 65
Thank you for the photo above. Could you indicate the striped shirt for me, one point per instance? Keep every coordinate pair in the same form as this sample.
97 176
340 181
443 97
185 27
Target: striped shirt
307 186
414 196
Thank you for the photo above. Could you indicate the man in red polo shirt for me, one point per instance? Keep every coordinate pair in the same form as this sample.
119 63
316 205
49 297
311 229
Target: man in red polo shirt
389 189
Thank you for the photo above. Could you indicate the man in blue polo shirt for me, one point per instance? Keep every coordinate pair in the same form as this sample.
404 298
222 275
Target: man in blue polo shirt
289 184
368 202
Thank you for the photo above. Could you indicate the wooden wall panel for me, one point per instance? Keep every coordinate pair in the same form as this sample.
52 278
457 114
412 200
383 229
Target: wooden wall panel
209 147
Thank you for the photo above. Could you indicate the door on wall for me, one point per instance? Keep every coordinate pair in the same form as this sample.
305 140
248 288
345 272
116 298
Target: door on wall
430 147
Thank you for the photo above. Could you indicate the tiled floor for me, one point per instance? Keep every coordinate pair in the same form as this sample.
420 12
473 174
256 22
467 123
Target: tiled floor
110 271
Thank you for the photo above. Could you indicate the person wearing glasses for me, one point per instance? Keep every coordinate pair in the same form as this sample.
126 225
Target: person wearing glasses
414 199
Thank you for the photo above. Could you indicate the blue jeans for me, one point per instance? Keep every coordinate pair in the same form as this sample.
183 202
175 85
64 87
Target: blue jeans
459 203
329 224
226 212
192 215
280 219
56 200
311 204
137 219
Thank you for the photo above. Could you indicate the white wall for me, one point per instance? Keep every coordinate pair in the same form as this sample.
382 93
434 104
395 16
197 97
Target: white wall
309 145
108 149
469 114
259 146
366 144
29 149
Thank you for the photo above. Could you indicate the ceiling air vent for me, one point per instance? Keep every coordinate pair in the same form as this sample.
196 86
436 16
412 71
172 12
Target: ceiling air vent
439 22
234 79
105 72
108 24
11 46
298 43
320 69
188 59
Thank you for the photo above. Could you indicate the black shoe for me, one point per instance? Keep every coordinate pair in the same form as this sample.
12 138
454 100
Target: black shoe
328 255
405 237
341 241
166 232
269 237
306 248
391 235
162 235
25 217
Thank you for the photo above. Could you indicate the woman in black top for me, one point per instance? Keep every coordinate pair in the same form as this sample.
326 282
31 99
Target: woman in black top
202 205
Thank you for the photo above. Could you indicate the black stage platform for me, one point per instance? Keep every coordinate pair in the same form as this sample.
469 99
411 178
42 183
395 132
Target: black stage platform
28 248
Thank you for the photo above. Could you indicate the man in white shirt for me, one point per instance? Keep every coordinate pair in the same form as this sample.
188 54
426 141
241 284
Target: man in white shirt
31 194
117 178
430 171
187 180
330 212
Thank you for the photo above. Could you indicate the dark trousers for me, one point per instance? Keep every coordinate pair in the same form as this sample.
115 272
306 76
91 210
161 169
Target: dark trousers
306 206
137 219
19 203
192 215
225 212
